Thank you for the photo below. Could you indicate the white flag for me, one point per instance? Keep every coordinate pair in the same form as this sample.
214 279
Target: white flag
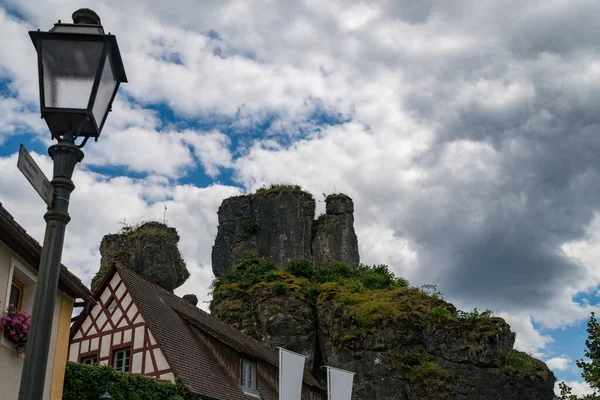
291 372
339 384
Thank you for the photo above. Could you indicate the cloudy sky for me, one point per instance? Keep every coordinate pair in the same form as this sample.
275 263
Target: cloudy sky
465 131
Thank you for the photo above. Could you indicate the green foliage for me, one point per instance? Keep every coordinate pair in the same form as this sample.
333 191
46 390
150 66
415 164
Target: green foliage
279 187
280 288
435 316
302 268
88 382
360 278
342 196
432 290
417 363
249 271
334 272
311 292
143 228
250 228
590 369
522 364
474 315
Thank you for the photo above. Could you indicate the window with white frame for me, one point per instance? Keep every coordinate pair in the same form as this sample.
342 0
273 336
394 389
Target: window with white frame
249 376
121 359
20 292
21 288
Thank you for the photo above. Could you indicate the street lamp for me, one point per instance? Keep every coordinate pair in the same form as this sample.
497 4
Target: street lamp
80 69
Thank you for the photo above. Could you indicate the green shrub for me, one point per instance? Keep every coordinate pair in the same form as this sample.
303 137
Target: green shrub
280 288
302 268
311 292
417 363
334 272
250 229
89 382
435 316
431 290
249 271
523 364
474 315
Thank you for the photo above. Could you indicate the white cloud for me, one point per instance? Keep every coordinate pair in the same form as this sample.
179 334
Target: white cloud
211 149
451 104
559 363
528 338
99 204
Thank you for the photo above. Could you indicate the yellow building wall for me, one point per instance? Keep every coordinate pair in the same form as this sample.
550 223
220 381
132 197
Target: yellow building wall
11 364
62 348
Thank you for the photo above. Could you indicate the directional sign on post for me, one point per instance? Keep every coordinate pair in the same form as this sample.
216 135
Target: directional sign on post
34 175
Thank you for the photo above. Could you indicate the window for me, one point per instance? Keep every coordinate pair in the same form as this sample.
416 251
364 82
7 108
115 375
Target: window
112 304
17 289
249 376
121 360
90 360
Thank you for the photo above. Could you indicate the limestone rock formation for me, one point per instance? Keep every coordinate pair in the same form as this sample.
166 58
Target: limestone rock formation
334 238
402 343
277 223
277 321
150 250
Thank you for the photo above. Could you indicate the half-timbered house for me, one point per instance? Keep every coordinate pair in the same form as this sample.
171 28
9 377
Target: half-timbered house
139 327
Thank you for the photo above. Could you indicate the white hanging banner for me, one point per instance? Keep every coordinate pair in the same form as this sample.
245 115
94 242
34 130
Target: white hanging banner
339 384
291 372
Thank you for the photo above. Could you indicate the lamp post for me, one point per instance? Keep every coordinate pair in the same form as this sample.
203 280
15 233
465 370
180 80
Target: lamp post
80 69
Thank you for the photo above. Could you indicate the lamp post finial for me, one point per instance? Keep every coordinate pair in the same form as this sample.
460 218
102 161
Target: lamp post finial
86 16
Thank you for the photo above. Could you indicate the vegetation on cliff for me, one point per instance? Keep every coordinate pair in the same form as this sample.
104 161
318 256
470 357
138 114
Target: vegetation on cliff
364 299
148 248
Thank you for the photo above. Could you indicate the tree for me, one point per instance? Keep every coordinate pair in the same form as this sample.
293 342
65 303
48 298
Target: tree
590 369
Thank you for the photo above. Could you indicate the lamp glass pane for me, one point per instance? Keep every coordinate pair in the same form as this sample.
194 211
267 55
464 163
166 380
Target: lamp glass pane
69 70
106 89
75 28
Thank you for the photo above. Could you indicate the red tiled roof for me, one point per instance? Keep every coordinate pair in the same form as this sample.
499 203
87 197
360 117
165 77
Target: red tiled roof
175 323
17 238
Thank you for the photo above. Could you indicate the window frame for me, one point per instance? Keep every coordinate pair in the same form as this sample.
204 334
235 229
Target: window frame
19 285
85 357
253 389
118 350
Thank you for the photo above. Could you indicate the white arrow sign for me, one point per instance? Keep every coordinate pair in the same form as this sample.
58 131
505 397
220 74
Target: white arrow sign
34 175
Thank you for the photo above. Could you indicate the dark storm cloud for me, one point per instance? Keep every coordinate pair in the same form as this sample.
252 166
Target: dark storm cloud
547 136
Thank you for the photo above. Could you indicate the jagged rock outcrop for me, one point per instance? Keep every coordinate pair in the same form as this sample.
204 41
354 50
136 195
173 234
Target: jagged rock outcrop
402 343
334 238
398 342
277 223
277 321
150 250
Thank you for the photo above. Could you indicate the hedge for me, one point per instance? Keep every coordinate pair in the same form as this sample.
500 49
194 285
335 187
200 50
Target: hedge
89 382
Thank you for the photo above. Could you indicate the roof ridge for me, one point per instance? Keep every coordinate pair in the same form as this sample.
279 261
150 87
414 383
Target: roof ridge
196 309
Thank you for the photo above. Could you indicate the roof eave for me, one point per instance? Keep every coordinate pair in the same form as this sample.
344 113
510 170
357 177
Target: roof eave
26 247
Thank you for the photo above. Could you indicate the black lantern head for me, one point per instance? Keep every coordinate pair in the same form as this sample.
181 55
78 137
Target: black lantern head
80 69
